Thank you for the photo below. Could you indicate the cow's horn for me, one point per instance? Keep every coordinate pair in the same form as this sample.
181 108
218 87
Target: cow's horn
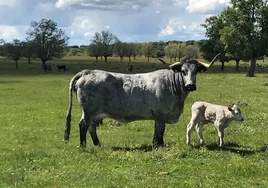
162 61
174 64
211 63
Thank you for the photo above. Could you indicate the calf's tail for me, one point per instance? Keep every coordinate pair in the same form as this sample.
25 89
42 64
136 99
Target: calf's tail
69 111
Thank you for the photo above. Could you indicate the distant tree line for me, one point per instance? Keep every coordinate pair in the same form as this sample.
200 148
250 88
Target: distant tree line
106 44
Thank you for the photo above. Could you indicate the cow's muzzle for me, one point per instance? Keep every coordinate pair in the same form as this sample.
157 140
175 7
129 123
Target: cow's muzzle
191 87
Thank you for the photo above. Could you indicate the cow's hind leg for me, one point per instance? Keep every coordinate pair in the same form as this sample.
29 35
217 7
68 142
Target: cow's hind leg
92 131
83 126
159 130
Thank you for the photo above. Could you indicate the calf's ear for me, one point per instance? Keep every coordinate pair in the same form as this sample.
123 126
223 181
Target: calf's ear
230 108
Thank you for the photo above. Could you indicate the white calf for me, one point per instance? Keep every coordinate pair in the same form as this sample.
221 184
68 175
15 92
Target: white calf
220 116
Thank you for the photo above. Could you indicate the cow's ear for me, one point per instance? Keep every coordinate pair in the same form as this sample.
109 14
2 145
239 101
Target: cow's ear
230 108
201 67
176 67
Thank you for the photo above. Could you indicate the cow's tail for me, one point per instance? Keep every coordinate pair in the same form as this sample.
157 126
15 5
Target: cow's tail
69 111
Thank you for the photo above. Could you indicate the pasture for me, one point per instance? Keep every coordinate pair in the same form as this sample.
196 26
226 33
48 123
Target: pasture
33 105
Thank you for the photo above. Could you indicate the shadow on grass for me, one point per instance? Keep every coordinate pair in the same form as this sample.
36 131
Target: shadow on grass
145 148
235 148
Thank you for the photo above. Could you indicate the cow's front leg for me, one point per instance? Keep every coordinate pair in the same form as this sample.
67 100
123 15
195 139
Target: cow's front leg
159 129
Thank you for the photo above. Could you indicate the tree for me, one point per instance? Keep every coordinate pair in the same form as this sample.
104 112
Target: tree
129 48
191 52
108 40
14 50
171 50
49 42
136 49
158 49
95 50
73 51
181 49
28 51
148 50
213 45
120 49
244 30
1 47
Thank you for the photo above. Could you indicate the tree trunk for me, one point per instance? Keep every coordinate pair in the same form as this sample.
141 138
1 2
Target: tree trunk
252 67
222 66
134 57
121 59
129 59
96 59
148 59
237 64
44 64
29 60
105 58
16 63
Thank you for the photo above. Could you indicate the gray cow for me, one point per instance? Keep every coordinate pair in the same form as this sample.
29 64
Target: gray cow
220 116
157 95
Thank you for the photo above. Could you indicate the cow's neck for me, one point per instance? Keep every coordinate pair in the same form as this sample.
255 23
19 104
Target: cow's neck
178 87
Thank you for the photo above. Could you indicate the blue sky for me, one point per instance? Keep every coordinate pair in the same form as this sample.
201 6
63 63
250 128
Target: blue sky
129 20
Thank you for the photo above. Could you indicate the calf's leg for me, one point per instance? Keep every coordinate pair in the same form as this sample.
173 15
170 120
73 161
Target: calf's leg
159 129
190 127
220 135
199 132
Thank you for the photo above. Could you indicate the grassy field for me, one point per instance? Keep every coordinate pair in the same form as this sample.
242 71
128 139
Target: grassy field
32 116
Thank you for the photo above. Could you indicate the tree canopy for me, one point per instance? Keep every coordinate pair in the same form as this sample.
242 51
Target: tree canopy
242 30
107 40
49 42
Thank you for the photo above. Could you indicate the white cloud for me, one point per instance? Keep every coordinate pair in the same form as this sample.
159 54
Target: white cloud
172 27
102 4
205 6
45 7
8 33
83 25
64 3
177 28
9 3
179 3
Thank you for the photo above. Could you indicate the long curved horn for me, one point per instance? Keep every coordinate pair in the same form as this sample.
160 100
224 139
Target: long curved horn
162 61
211 63
174 64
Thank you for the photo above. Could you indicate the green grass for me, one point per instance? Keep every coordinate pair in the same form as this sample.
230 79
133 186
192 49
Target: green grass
32 116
